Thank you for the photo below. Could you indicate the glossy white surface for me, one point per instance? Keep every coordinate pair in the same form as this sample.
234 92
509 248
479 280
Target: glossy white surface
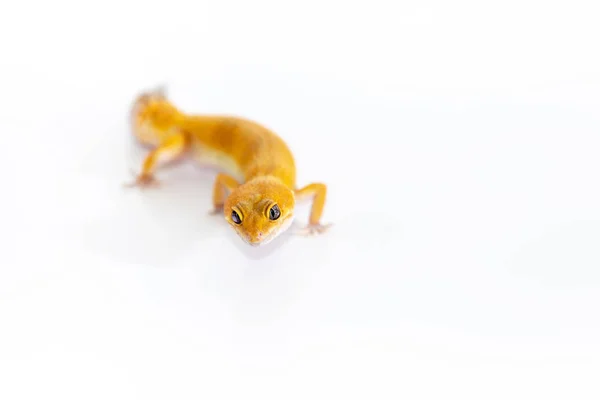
461 147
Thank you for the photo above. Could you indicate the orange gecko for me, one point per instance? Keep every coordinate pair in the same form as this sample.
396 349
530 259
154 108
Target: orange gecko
256 189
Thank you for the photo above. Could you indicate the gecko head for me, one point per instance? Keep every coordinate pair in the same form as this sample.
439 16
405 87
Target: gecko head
260 210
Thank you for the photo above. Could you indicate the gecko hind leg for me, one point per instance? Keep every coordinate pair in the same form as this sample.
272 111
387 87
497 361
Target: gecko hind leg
169 150
142 181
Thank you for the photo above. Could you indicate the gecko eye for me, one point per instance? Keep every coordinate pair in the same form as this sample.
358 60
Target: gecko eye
274 212
235 217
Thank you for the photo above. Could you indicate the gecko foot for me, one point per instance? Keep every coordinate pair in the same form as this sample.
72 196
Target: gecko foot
216 211
143 181
314 229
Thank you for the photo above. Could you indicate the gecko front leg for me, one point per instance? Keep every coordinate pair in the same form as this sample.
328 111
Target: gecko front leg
170 149
223 184
318 193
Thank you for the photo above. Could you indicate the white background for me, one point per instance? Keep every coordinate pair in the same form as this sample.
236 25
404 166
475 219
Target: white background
460 144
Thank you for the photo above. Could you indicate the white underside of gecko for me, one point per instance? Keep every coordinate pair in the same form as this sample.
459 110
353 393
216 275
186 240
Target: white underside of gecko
206 156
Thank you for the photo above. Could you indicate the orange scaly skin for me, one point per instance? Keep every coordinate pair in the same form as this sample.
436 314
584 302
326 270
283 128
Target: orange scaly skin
256 192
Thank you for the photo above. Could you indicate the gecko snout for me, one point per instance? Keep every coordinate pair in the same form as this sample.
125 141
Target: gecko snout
256 239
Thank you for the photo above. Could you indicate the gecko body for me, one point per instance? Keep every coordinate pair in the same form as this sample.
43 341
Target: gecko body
255 189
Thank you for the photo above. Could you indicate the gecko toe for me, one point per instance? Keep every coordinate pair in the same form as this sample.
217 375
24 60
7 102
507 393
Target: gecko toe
216 211
143 181
313 230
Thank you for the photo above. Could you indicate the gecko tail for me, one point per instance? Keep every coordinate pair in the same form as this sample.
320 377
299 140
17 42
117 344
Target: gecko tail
156 92
160 90
145 98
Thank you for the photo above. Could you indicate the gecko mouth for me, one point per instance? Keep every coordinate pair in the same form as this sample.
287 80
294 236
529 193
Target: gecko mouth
271 235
